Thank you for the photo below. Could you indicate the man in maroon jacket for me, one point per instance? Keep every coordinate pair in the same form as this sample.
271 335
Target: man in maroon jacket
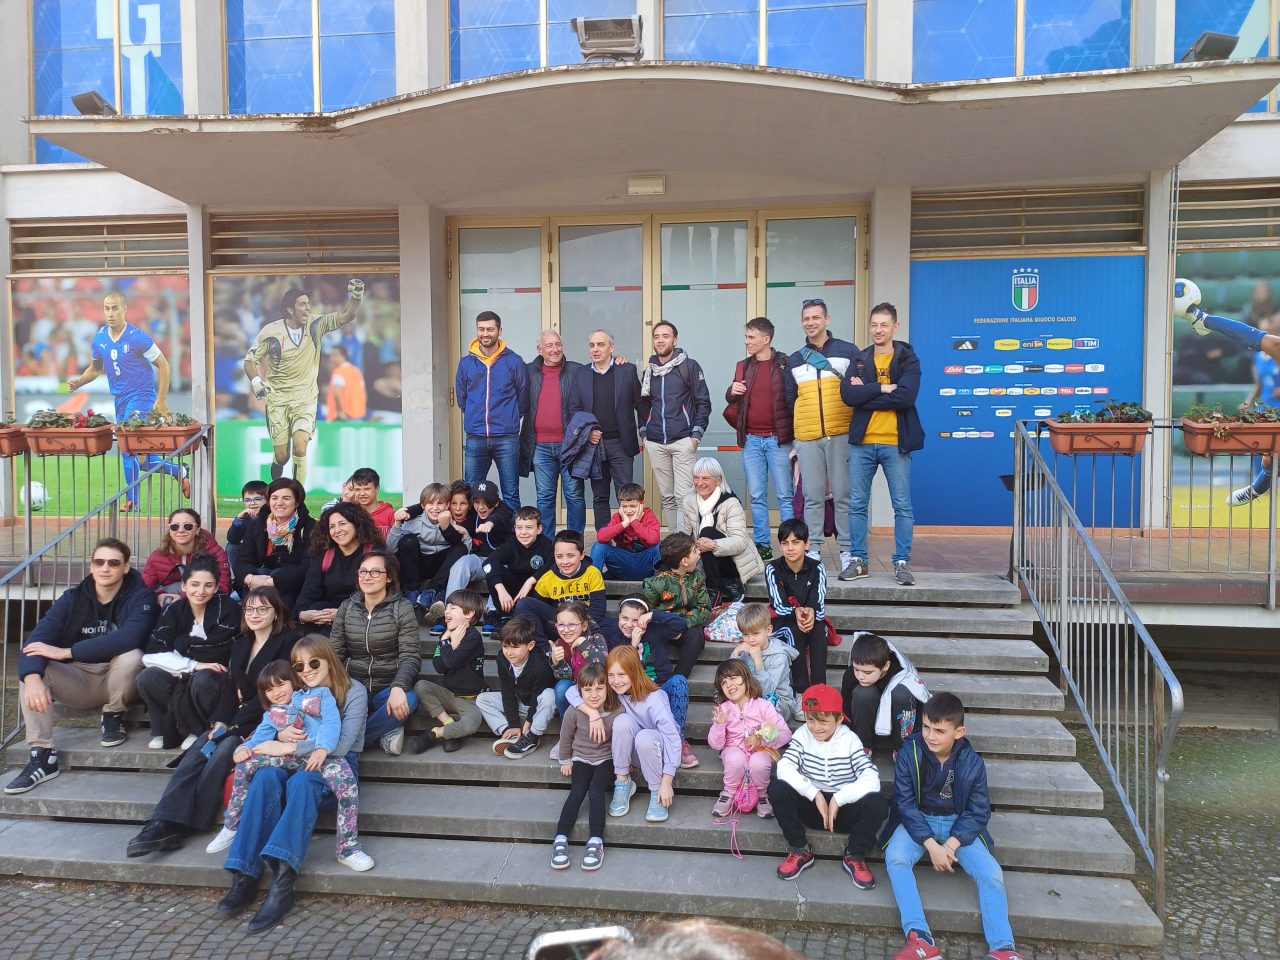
761 398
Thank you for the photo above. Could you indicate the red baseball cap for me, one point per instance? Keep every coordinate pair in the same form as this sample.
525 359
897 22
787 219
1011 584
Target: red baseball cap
822 698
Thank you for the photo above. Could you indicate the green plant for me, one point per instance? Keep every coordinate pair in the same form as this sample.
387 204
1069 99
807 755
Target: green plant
1221 421
154 418
1113 411
10 421
53 420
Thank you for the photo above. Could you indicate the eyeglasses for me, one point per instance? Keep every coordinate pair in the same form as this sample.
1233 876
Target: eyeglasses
254 501
111 562
371 574
258 611
175 527
312 664
569 626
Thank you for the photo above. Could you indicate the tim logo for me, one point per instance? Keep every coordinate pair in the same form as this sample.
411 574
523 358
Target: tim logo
1026 288
964 343
1087 343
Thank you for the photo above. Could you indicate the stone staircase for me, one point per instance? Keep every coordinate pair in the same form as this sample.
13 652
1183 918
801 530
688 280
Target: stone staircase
474 827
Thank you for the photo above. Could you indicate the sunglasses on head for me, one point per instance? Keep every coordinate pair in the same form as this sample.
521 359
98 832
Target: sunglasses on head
111 562
814 303
312 664
175 527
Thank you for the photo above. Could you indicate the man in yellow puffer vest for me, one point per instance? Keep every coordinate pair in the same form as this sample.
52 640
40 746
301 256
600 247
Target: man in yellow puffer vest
822 425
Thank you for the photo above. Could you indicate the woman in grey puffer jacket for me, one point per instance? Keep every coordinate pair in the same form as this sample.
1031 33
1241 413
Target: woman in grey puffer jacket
375 633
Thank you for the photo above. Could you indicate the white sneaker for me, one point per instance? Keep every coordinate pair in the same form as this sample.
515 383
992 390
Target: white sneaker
1246 494
393 743
357 860
845 557
221 841
190 739
155 743
813 554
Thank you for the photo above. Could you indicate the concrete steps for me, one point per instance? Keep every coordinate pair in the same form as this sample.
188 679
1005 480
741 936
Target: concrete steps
1047 905
952 589
1026 840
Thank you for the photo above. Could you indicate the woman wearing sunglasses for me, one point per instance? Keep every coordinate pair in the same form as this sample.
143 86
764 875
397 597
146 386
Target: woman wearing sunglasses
185 661
375 632
280 808
193 796
183 539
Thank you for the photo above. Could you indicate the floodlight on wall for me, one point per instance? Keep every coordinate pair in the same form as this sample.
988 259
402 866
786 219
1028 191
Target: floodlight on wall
1211 46
609 38
93 104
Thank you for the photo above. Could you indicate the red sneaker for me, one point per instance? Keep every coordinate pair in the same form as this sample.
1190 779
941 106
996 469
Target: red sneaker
857 868
795 864
917 949
1004 955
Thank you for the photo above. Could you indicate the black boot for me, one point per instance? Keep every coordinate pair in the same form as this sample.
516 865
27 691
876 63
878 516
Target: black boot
244 890
279 900
156 835
422 742
451 745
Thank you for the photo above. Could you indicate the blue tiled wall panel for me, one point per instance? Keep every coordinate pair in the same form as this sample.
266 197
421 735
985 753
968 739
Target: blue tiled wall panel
724 31
1063 36
562 42
828 37
357 69
963 39
270 76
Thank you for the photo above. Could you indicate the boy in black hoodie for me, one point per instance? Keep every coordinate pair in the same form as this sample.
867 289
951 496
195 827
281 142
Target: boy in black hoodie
459 659
515 567
527 684
798 594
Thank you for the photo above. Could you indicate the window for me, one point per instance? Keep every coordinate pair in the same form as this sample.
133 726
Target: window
975 39
1249 20
276 53
129 51
825 36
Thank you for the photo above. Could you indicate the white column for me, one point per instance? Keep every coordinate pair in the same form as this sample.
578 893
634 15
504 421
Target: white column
201 323
889 39
651 26
204 80
1153 33
424 336
422 45
16 98
1157 336
7 493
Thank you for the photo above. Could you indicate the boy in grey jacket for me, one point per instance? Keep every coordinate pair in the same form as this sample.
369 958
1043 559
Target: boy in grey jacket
427 544
768 656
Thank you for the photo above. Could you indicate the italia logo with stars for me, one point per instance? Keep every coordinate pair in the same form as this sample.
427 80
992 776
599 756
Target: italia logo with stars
1026 288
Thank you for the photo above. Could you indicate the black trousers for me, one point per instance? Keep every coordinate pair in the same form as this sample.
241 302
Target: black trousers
193 795
156 686
421 571
690 645
590 782
619 468
723 582
811 665
860 821
864 702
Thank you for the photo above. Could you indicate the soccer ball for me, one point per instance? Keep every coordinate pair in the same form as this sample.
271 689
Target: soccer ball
38 495
1185 296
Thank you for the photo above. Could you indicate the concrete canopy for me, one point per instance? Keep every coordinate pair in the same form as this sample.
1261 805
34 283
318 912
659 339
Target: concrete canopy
565 138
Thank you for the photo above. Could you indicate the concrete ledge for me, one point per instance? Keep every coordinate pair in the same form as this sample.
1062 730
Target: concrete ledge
931 587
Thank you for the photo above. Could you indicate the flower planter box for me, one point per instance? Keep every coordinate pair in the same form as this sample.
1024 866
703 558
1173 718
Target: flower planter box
1073 438
74 441
1240 438
155 439
13 442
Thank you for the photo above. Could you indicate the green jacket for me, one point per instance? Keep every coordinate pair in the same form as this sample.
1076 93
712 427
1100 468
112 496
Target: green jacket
685 594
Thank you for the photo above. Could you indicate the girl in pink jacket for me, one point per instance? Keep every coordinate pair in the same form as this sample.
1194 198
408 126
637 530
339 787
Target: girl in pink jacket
748 731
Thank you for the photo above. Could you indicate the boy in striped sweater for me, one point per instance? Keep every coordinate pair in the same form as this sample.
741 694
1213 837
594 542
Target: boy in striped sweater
826 781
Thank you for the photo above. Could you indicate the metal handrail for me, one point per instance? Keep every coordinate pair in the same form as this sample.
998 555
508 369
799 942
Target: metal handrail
28 577
1117 675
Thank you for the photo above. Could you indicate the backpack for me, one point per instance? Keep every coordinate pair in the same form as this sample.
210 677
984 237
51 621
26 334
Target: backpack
327 560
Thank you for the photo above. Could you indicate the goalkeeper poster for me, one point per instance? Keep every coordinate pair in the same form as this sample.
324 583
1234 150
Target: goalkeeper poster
307 380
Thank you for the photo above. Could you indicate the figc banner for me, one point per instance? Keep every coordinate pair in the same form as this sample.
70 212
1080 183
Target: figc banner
1012 339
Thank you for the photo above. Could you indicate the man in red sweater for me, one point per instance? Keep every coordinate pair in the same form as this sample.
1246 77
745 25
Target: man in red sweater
542 432
628 543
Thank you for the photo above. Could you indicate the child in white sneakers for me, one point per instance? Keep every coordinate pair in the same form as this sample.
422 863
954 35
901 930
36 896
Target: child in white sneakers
590 763
748 731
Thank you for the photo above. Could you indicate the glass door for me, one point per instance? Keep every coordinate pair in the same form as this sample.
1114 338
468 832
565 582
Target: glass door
808 258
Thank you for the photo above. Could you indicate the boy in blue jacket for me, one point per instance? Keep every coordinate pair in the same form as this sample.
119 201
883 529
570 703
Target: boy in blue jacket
941 807
85 652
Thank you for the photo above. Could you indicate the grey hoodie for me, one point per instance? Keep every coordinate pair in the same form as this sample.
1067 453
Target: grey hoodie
775 676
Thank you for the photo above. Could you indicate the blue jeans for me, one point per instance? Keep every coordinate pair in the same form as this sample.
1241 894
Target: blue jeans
901 855
764 459
546 469
615 563
380 723
479 453
562 696
863 460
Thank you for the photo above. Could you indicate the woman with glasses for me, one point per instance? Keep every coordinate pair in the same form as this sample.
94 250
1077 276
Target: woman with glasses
276 542
184 539
375 632
345 534
280 808
185 661
193 795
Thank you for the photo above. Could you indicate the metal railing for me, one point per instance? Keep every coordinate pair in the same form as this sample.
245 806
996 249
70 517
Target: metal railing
58 558
1165 511
1124 688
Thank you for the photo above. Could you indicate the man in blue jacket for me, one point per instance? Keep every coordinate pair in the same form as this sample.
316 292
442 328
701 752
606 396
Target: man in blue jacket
85 652
492 388
881 387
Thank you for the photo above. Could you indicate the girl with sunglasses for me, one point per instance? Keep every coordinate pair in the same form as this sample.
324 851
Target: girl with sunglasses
183 539
193 796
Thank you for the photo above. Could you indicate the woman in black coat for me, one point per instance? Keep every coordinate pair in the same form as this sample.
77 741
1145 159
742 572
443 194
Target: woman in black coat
193 796
276 541
345 534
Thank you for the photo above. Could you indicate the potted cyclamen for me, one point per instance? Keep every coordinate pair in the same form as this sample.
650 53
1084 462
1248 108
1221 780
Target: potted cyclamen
1208 430
13 442
155 432
50 433
1119 427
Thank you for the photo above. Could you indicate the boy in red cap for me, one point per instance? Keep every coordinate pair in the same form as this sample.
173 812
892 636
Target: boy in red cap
826 781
